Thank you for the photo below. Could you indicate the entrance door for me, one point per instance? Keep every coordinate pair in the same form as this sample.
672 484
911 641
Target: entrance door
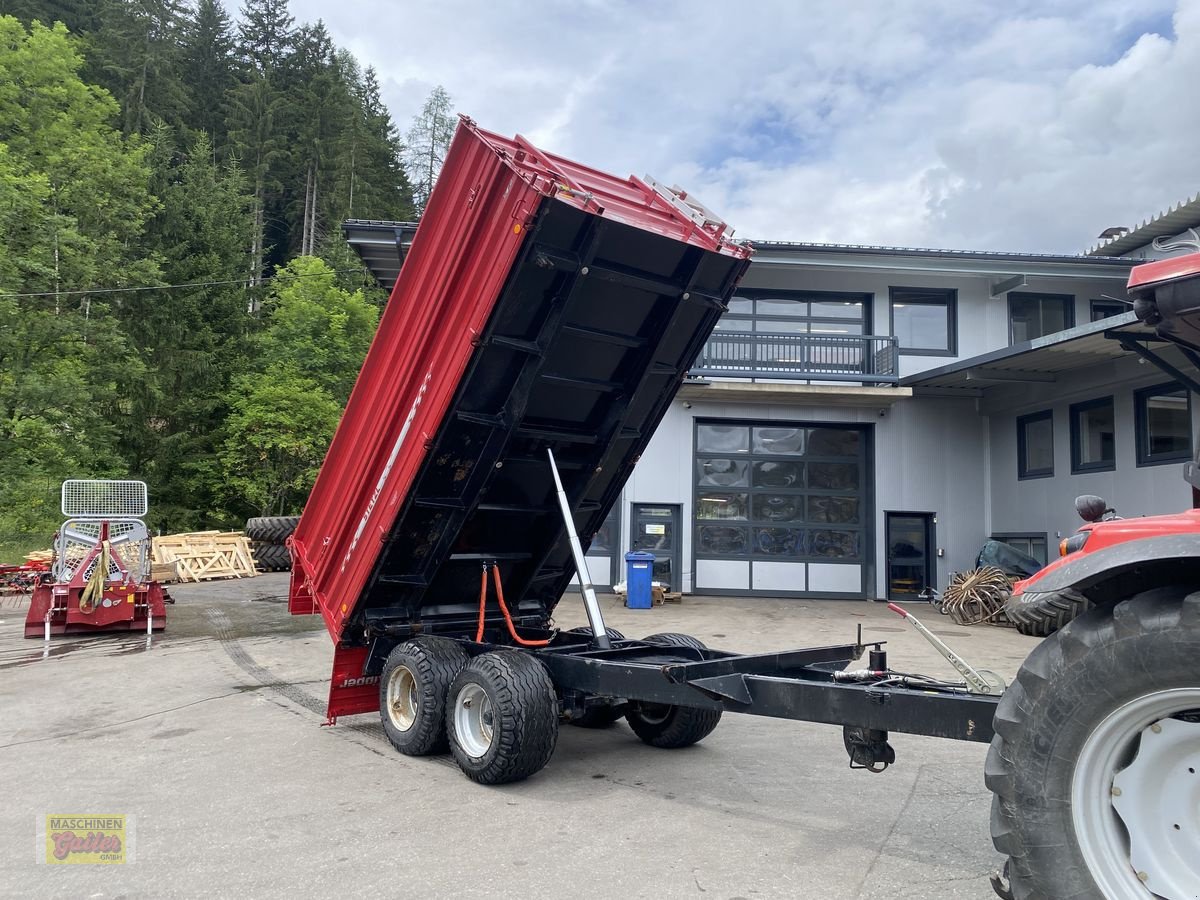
910 554
655 528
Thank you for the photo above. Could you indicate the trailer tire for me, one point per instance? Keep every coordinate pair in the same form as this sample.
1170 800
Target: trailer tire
586 630
1045 614
671 727
271 557
1086 706
675 639
412 693
502 717
271 529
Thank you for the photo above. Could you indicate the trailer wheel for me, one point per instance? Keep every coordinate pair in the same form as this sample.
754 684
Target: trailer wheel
1095 766
1045 614
502 717
670 727
412 693
586 631
675 639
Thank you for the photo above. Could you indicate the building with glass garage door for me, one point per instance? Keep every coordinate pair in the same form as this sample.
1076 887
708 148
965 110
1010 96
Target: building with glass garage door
864 418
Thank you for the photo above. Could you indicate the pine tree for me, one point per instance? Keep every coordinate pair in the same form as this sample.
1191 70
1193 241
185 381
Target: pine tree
208 68
428 140
265 37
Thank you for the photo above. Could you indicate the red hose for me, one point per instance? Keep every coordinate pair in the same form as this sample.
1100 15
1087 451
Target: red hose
512 629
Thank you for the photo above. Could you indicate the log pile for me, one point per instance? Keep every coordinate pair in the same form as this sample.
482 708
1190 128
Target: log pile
205 555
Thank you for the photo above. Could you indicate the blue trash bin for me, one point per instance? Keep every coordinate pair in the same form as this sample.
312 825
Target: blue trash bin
639 573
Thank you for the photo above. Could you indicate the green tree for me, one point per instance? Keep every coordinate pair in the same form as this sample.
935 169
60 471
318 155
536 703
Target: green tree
283 416
428 140
208 69
74 197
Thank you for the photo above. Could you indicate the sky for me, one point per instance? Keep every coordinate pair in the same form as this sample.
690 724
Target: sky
1024 125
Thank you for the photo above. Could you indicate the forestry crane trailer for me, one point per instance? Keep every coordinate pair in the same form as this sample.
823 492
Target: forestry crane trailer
544 317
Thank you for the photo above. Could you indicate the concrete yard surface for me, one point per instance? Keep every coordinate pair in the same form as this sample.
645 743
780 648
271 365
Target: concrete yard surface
211 739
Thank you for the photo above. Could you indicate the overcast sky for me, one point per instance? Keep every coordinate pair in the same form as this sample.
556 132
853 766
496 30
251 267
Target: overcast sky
1017 125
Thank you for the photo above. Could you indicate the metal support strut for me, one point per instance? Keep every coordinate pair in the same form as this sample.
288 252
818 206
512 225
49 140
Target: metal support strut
591 604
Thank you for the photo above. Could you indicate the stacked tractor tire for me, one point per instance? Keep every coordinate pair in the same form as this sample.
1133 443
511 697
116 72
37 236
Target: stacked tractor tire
268 539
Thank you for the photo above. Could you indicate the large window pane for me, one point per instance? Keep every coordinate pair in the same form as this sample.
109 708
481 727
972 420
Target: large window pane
721 506
1035 445
834 544
834 510
741 306
836 309
834 442
1093 436
1036 315
833 476
779 441
778 508
729 323
923 319
778 542
781 306
722 438
723 472
721 540
1164 426
768 474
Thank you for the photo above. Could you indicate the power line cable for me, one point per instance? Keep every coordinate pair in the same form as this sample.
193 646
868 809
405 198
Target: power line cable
172 287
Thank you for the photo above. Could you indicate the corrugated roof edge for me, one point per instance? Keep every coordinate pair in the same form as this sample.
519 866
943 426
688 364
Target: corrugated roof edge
935 252
1171 221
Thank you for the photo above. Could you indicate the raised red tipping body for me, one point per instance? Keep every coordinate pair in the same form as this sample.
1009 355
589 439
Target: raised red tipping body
542 305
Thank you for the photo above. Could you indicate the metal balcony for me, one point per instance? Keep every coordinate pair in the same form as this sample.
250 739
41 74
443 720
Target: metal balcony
866 359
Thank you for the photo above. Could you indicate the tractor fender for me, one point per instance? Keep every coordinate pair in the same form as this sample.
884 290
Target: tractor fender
1122 570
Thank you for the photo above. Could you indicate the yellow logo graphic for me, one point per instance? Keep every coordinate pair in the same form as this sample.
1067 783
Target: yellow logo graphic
96 840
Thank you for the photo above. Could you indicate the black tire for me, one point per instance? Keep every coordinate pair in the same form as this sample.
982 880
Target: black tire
271 529
1040 615
432 663
1071 684
671 727
675 639
597 716
586 630
271 557
522 728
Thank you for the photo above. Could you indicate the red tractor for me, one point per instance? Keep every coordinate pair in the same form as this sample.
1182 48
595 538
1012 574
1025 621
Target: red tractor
99 577
1095 765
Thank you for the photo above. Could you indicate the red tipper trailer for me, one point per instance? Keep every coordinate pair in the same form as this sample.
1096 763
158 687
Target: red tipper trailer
543 319
543 305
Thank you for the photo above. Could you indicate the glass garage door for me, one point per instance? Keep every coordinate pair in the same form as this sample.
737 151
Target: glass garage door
780 508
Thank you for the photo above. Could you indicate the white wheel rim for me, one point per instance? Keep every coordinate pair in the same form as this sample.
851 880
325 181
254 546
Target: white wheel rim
473 720
654 713
1136 778
402 701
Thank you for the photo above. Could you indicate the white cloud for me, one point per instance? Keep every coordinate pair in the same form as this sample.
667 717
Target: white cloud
961 123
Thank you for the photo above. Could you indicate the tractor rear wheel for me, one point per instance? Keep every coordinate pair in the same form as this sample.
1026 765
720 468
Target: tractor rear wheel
412 693
271 529
1095 766
502 717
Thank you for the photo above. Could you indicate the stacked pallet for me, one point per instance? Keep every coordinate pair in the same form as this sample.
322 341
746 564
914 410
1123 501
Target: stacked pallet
44 557
206 555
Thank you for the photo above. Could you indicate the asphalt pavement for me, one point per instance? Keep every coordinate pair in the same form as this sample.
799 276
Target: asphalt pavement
210 738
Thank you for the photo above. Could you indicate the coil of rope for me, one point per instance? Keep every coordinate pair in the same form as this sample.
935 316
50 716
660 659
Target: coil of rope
977 596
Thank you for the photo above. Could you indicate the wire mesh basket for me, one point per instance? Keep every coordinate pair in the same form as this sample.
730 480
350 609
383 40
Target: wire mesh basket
99 498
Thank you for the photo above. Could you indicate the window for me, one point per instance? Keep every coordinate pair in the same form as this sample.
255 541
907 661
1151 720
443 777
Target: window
1106 309
1030 544
1163 424
1035 445
923 320
1036 315
798 312
780 491
1093 436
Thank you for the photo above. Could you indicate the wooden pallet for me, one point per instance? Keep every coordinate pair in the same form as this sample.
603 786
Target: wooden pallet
206 555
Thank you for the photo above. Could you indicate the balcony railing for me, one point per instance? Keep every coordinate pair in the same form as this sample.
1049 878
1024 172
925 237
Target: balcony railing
867 359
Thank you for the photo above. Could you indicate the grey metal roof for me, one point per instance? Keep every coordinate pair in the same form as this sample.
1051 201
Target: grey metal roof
381 245
1038 360
930 260
1171 221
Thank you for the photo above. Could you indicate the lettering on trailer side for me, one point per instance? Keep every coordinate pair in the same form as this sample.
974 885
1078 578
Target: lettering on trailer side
387 470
